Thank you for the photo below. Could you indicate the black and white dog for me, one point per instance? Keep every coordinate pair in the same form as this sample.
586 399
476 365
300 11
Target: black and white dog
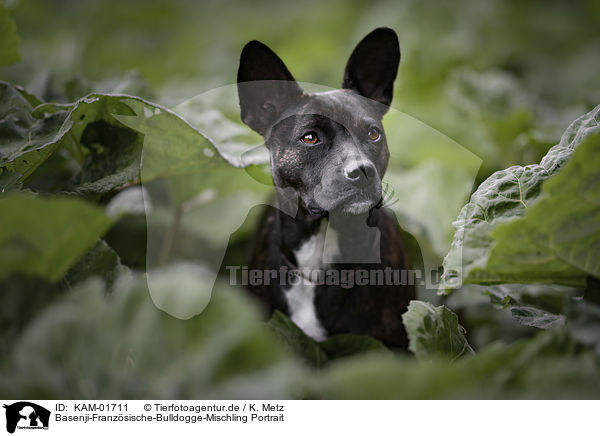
328 156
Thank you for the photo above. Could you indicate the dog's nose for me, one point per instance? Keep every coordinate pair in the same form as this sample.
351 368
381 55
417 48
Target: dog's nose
360 172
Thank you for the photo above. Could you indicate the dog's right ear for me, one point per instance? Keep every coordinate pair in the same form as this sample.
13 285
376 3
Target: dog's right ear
265 86
373 65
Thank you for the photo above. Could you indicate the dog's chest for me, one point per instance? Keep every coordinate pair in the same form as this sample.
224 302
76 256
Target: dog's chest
319 249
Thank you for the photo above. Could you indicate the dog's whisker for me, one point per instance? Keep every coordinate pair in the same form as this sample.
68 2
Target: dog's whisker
388 196
392 203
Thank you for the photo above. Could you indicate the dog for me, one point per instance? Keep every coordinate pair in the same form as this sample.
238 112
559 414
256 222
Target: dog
328 154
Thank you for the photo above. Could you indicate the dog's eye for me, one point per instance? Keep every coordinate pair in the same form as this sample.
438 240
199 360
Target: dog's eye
310 138
374 134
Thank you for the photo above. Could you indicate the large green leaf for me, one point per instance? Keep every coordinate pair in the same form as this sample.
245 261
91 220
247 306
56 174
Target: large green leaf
44 236
9 44
560 233
215 113
434 332
520 228
199 194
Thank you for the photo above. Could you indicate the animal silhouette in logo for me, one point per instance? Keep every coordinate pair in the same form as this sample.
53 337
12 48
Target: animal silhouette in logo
26 414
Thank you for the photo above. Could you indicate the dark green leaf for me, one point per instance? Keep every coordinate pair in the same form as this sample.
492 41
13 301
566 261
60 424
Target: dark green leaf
344 345
99 261
27 138
320 353
295 339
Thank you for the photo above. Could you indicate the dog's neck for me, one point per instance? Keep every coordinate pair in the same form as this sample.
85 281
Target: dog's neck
342 238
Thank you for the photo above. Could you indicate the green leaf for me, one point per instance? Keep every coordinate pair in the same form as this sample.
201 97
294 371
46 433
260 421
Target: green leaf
108 151
344 345
99 261
559 237
9 44
535 305
320 353
27 137
201 179
434 332
534 224
9 181
171 145
215 113
296 340
534 317
44 236
187 158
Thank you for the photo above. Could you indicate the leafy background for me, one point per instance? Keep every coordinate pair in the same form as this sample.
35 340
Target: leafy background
88 87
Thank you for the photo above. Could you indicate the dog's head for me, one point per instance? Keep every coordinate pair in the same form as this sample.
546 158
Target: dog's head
329 147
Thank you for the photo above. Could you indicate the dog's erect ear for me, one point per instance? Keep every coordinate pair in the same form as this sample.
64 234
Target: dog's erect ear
265 86
373 66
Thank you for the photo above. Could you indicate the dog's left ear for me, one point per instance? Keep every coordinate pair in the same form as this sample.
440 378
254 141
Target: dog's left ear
373 66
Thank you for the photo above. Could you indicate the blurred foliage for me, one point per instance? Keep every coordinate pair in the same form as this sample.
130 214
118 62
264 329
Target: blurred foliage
9 50
98 301
94 345
495 63
541 367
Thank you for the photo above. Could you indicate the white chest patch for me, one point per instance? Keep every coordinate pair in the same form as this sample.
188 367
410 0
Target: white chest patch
300 297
